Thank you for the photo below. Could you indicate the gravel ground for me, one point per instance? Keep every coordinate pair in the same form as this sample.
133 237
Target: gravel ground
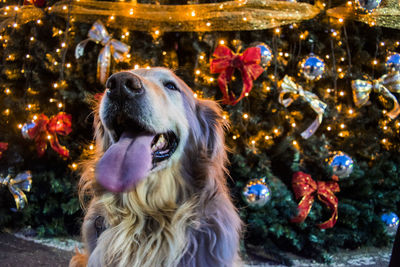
17 250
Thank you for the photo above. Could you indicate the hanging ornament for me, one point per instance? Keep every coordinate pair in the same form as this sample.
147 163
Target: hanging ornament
112 47
43 130
312 67
266 55
391 220
3 147
306 189
225 62
341 163
256 193
367 6
18 184
393 62
288 86
383 86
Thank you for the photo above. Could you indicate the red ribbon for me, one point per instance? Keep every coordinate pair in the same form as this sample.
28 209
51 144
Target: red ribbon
47 129
37 3
225 62
3 147
306 188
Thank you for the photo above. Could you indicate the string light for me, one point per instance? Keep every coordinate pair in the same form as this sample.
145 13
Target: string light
74 166
197 72
91 147
293 124
342 125
267 137
234 137
136 67
195 95
329 128
221 42
7 91
245 116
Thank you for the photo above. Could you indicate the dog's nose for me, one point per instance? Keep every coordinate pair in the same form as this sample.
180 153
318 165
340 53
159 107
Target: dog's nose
124 83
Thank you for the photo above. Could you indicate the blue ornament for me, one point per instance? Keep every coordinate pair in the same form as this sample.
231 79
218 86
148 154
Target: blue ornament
25 129
312 67
266 55
256 193
390 219
393 62
342 164
367 6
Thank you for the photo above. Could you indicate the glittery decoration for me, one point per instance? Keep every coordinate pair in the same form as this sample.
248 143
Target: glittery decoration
16 186
256 193
288 86
341 163
266 55
367 6
387 15
393 62
312 67
306 189
384 86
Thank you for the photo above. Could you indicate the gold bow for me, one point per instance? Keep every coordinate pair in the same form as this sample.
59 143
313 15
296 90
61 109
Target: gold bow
21 182
287 85
384 86
117 49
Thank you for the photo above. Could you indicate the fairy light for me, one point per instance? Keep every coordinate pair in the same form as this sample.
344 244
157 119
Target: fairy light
329 128
68 65
234 137
342 59
7 112
245 116
385 128
39 21
55 63
276 131
267 137
49 137
327 56
195 95
58 50
382 43
398 124
342 126
340 20
384 140
136 67
208 24
91 147
211 79
351 111
277 31
193 14
201 57
197 72
35 117
60 105
28 56
221 42
244 19
341 93
294 142
64 7
328 90
74 166
63 44
293 124
112 17
375 62
253 142
7 91
157 32
131 12
32 38
55 85
19 126
15 25
246 94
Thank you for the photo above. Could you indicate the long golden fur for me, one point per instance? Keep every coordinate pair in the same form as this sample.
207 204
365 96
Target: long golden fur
181 214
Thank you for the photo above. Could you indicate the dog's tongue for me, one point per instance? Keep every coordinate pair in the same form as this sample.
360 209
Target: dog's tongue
125 163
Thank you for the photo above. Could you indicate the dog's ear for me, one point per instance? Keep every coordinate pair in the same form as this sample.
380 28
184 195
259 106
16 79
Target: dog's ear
212 126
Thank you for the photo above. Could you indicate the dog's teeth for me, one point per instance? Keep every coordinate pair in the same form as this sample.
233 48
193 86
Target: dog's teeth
161 143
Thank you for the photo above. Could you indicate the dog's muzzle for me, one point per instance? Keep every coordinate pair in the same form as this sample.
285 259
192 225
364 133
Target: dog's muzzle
124 84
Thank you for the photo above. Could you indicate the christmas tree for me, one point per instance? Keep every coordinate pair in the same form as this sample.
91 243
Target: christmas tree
310 91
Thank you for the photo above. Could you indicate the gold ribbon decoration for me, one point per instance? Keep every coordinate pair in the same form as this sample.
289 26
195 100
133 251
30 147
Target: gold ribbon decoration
383 86
288 86
225 16
388 15
18 184
112 47
19 15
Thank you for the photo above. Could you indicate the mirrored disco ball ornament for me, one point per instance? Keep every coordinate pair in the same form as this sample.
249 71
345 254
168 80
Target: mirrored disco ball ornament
312 67
25 129
367 6
256 193
393 62
391 220
266 55
341 163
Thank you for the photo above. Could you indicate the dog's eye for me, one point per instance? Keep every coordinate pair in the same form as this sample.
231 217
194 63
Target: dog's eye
171 86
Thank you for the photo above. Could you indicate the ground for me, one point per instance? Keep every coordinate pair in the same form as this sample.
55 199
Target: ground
15 251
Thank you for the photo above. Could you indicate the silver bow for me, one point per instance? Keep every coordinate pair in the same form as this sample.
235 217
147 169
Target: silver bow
287 85
384 86
117 49
21 182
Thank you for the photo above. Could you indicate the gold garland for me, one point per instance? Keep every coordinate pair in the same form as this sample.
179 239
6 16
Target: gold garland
238 15
386 16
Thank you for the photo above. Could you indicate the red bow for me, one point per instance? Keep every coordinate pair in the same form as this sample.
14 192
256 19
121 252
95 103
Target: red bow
3 147
225 62
43 129
305 187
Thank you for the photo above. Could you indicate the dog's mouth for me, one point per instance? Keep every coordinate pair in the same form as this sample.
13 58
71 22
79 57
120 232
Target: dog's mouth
133 156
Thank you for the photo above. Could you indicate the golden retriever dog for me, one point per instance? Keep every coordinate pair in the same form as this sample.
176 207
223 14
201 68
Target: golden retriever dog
158 179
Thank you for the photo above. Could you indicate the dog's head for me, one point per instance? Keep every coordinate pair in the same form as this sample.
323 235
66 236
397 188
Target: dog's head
149 119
